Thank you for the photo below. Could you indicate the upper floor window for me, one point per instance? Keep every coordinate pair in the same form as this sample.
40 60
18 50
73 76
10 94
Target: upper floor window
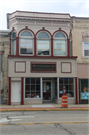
86 49
60 44
26 43
13 43
43 44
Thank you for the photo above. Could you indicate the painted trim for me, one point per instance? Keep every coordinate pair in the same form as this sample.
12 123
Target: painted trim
69 19
42 71
43 30
61 32
39 13
68 48
17 45
76 91
20 71
70 67
52 48
45 57
22 91
11 40
9 91
26 28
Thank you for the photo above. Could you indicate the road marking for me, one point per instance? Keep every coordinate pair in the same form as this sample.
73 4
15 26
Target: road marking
43 123
7 120
21 117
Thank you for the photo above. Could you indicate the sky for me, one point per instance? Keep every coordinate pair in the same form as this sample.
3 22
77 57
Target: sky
78 8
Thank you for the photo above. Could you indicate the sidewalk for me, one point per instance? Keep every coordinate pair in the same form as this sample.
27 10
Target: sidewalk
44 107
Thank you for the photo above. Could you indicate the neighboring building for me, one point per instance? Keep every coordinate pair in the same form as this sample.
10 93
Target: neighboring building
4 52
40 60
80 37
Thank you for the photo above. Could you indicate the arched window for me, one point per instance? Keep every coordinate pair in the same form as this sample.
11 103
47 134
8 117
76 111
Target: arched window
43 44
26 43
60 44
13 43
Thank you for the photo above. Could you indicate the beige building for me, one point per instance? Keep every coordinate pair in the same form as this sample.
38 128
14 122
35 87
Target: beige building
80 37
41 63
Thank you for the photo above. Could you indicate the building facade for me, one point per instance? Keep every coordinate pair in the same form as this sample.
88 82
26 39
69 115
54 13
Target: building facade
44 53
41 61
80 38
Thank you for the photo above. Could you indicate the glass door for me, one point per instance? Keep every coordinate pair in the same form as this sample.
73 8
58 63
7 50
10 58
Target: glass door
46 90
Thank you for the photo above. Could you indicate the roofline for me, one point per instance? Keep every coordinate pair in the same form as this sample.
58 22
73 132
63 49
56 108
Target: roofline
4 32
79 17
38 13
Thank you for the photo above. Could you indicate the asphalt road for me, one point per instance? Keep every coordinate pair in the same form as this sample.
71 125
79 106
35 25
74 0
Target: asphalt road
44 123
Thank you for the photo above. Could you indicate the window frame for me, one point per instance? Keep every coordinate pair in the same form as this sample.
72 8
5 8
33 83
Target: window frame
68 84
12 39
83 49
60 40
30 90
26 37
42 40
1 80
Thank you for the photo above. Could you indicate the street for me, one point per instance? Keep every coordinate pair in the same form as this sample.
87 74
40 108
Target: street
44 123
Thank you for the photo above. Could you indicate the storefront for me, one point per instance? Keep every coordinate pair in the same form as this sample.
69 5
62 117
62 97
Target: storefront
41 62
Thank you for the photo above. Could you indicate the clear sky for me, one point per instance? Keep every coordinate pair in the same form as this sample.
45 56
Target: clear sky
79 8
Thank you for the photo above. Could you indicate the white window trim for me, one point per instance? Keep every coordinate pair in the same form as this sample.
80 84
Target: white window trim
65 39
83 50
40 91
23 37
74 91
43 39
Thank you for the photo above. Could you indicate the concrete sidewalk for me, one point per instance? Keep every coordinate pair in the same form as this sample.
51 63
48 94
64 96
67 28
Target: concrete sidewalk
44 107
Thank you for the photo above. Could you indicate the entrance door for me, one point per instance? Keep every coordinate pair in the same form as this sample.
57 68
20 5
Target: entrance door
15 92
46 90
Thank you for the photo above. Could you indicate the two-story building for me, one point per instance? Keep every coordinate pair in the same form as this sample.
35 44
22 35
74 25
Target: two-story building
41 60
80 37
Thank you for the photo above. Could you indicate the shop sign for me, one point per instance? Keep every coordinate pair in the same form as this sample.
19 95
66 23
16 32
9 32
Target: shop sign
43 67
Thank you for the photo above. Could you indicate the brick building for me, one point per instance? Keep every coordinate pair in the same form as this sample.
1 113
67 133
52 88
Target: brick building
4 52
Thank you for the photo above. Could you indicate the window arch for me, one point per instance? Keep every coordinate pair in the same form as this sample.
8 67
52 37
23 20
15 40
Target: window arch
26 43
43 43
13 43
60 44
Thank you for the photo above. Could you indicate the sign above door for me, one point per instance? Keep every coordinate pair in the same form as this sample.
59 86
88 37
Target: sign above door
43 67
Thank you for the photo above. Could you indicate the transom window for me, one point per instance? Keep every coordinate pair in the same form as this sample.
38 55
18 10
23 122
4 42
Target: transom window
26 43
43 44
59 44
13 43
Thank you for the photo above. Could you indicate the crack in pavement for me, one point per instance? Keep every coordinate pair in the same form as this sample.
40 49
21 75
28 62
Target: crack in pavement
70 133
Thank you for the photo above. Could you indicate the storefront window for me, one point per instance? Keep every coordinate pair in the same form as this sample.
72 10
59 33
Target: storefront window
69 85
84 88
32 88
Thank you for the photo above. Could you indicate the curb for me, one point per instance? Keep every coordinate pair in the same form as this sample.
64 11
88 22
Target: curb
46 123
55 109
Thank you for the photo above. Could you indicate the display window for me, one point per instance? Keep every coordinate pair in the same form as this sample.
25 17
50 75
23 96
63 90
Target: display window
69 85
84 88
32 88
